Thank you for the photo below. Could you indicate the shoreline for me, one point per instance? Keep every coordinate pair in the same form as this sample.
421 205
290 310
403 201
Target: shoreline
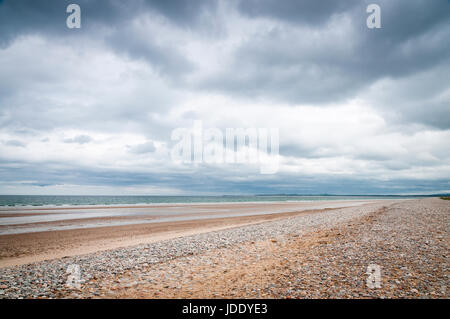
329 198
39 246
49 240
309 255
39 220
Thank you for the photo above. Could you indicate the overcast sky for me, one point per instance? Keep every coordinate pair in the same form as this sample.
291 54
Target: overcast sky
91 110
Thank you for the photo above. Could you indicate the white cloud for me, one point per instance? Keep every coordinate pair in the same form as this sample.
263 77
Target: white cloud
94 113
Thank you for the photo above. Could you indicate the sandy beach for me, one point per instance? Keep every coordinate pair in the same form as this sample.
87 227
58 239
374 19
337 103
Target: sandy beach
305 253
54 232
25 248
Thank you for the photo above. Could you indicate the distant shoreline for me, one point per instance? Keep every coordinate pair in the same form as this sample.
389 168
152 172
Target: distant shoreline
32 235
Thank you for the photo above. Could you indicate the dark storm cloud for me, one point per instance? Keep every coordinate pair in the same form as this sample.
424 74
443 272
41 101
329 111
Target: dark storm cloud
277 65
296 11
417 99
169 61
412 38
49 16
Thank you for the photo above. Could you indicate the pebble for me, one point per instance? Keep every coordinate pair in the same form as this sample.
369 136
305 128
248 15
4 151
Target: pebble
404 233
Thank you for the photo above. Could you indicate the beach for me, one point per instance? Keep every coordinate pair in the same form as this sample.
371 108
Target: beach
287 250
30 234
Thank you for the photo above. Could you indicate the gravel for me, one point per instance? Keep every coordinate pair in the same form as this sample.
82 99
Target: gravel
417 227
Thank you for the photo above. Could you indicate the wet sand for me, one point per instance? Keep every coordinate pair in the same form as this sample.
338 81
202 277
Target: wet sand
24 248
31 219
37 235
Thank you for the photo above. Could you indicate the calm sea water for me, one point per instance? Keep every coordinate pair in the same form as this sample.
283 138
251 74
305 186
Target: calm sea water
37 200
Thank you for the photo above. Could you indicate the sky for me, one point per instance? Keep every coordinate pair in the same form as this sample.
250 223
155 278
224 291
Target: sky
91 110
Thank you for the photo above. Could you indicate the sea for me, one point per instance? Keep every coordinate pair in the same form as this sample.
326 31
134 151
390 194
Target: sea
62 200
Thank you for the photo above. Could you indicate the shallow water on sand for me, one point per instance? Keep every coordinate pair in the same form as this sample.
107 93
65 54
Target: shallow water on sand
15 220
46 200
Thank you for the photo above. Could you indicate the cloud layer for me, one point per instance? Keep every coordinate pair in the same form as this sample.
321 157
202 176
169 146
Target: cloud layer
91 110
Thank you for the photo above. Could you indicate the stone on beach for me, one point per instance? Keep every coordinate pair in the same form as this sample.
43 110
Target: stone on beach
408 239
